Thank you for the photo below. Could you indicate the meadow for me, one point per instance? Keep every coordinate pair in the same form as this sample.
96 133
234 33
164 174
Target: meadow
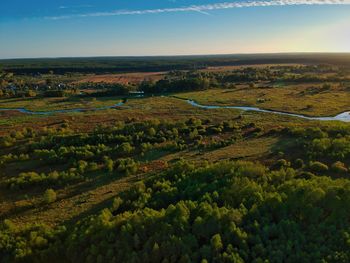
306 99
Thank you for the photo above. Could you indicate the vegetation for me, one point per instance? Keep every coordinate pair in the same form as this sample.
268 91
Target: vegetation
223 212
49 196
154 64
160 181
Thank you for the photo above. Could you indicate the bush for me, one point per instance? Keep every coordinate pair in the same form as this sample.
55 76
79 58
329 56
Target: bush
281 163
318 167
50 196
305 175
126 166
298 164
117 202
109 164
339 168
54 93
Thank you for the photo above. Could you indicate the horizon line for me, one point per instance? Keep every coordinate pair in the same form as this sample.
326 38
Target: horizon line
185 55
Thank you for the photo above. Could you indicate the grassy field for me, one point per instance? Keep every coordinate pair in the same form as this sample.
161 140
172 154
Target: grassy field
166 108
64 103
307 99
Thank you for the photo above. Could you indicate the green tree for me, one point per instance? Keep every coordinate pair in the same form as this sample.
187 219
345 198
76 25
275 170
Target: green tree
216 243
109 164
152 132
50 196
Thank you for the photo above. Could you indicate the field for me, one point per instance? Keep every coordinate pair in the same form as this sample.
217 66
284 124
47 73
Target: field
307 99
50 104
115 182
126 78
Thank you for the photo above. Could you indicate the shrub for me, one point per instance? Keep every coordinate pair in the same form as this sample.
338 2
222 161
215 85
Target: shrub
298 164
54 93
281 163
318 167
126 166
50 196
126 148
109 164
92 167
151 132
82 165
117 202
305 175
339 168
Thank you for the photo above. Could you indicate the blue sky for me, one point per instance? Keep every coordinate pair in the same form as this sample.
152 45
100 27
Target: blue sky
59 28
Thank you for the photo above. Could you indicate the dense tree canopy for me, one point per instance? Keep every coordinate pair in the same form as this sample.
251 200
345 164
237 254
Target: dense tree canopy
223 212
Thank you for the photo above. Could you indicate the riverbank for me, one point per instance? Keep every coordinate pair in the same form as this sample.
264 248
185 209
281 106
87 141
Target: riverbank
344 116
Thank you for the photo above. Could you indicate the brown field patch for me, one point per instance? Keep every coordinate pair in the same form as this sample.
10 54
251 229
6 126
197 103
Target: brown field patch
124 78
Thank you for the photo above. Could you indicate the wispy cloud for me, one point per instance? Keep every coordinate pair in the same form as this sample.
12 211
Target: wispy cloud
74 6
204 9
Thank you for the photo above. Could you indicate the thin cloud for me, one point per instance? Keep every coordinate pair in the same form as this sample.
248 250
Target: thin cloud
204 9
74 6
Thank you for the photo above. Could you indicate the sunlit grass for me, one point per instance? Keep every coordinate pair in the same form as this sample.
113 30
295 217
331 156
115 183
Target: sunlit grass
306 99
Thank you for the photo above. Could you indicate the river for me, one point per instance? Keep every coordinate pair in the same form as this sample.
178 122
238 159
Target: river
344 117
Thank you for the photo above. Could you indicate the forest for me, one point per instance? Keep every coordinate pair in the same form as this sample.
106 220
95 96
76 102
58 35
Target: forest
99 65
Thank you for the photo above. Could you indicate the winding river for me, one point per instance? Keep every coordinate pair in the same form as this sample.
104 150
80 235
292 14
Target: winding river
344 117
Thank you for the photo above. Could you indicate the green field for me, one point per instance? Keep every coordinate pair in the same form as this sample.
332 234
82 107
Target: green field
307 99
52 104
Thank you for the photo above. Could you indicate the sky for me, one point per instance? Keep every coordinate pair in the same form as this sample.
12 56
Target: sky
62 28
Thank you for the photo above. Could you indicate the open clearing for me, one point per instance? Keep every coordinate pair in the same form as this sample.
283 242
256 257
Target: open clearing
307 99
123 78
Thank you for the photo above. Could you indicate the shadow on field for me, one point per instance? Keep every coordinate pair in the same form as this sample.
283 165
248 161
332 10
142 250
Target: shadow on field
113 188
